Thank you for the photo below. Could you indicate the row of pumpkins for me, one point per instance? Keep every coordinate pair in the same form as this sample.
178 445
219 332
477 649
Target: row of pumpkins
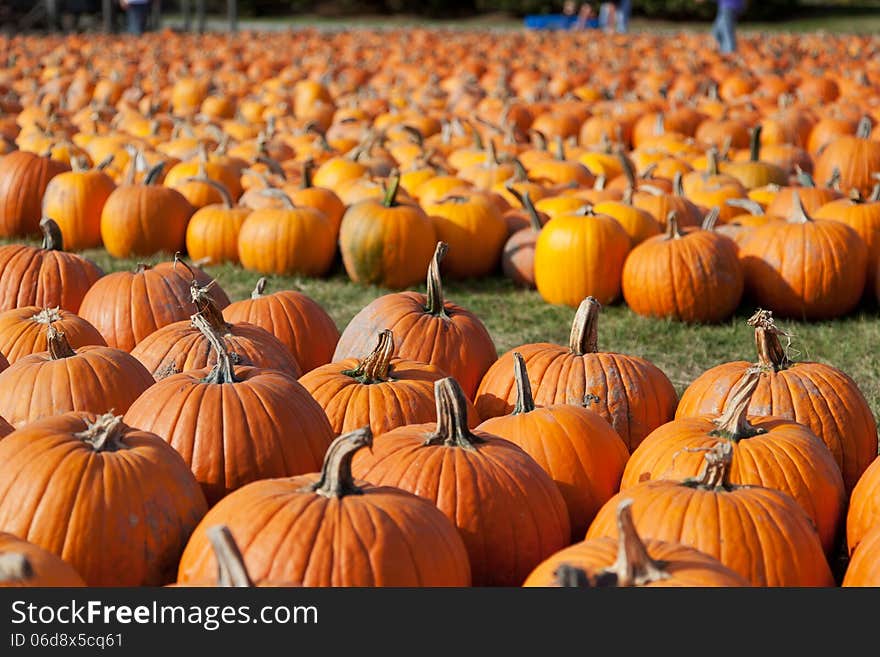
680 190
165 435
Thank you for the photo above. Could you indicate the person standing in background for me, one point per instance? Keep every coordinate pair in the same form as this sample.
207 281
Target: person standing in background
622 14
724 27
614 16
136 12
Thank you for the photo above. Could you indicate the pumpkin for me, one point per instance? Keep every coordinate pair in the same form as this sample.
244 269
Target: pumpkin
814 394
758 532
754 173
115 305
135 507
578 256
75 199
302 325
638 223
234 425
864 506
144 219
518 254
213 230
508 511
96 379
206 167
322 530
287 240
23 564
378 390
785 202
630 561
474 229
23 331
769 452
426 328
863 569
633 395
863 216
306 195
806 268
182 346
23 180
385 243
692 275
573 444
856 158
44 276
659 204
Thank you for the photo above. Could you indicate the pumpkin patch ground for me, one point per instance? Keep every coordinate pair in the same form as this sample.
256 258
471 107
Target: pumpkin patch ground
436 308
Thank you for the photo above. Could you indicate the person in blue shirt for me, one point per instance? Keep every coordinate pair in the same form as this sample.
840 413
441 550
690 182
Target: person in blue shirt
614 16
724 28
137 12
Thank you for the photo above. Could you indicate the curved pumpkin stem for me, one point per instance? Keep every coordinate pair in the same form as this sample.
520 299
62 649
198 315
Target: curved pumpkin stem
153 174
673 231
224 369
628 170
712 162
678 184
717 469
733 423
58 345
711 219
375 367
104 434
390 199
435 304
752 207
274 192
15 567
525 402
799 214
53 240
452 415
568 576
336 478
221 188
584 338
634 566
231 570
259 288
771 354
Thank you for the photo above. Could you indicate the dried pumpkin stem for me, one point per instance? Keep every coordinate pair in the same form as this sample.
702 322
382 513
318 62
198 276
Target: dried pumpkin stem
57 343
53 240
568 576
452 417
525 402
375 367
733 423
634 566
224 369
308 168
584 338
715 472
755 143
104 434
747 204
153 174
863 130
678 184
15 567
231 570
799 214
336 478
771 354
673 231
260 288
434 304
274 192
711 219
47 316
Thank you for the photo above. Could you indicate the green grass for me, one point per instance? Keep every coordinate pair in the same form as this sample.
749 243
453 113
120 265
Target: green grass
515 316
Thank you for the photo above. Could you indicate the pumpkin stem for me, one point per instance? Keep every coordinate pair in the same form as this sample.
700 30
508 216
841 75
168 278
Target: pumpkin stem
863 131
47 316
141 267
559 145
53 240
584 337
434 304
771 354
712 161
711 219
374 368
752 207
336 478
106 162
308 168
153 174
452 417
525 402
733 423
273 165
568 576
390 199
803 178
678 184
799 214
755 143
15 567
634 566
715 473
875 194
834 181
274 192
260 288
224 369
628 169
673 231
221 188
231 570
58 345
104 434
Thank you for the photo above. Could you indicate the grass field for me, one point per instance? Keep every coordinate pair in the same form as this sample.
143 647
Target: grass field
515 316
